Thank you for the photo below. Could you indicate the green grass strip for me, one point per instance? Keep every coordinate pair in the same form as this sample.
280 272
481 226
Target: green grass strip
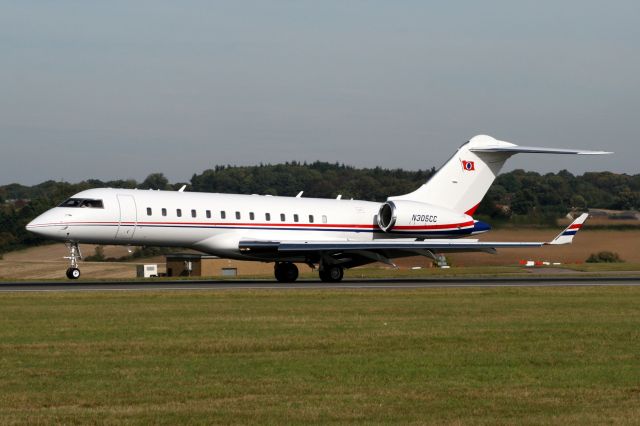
443 356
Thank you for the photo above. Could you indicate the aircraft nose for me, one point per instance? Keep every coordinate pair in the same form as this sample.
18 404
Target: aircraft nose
45 225
35 225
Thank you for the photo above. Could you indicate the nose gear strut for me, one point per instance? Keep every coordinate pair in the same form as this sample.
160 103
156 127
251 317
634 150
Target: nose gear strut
73 272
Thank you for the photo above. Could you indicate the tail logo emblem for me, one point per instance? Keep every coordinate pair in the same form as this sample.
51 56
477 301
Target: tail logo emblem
469 166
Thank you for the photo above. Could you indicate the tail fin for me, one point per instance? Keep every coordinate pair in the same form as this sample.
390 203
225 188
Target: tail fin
461 184
566 236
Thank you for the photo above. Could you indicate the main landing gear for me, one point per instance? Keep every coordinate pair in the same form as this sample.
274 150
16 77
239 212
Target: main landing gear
331 273
286 272
73 272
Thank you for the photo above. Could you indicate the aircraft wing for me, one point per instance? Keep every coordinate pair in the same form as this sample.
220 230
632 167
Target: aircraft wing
388 244
388 247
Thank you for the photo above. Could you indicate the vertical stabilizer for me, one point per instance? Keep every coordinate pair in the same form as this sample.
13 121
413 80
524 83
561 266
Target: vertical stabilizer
461 184
463 181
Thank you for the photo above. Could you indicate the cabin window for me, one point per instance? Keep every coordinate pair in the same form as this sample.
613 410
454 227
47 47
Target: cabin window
267 217
223 214
149 211
208 213
164 212
252 216
179 212
324 219
238 216
193 213
310 218
295 217
282 217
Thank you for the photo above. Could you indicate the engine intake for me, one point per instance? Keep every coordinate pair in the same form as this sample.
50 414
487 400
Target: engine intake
387 216
413 217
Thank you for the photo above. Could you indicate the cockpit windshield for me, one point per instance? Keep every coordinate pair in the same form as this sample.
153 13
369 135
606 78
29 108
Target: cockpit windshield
82 202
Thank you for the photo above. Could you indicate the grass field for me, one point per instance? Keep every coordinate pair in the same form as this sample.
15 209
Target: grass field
449 356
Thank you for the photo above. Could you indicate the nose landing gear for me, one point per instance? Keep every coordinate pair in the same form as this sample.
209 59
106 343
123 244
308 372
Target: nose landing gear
73 272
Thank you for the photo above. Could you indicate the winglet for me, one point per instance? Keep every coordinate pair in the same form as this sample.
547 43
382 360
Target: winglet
566 236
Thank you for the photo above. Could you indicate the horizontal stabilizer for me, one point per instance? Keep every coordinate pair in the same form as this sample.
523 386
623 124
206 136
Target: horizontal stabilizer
566 236
535 150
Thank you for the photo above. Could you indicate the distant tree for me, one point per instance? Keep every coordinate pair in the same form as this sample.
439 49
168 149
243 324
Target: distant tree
6 239
98 255
627 200
578 202
155 181
524 202
319 179
127 184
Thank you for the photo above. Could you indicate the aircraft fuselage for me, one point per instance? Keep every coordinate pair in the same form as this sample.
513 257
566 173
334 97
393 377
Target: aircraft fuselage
216 223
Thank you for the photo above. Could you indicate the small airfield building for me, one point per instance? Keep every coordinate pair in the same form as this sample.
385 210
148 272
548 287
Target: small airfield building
203 265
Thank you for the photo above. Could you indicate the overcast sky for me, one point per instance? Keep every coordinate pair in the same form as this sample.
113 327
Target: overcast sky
121 89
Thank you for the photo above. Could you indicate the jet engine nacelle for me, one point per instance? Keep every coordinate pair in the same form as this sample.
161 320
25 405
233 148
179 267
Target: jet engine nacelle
416 217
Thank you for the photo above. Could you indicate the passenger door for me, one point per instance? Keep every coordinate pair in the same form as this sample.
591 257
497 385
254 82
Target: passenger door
128 217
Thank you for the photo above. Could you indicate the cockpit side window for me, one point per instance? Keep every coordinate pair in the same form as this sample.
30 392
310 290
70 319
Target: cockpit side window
94 204
71 202
83 202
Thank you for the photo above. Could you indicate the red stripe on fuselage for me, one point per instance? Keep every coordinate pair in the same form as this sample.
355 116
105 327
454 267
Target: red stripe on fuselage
301 225
452 225
268 225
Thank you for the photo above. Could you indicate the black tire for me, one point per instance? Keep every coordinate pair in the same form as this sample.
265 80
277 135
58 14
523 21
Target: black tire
286 272
332 274
73 273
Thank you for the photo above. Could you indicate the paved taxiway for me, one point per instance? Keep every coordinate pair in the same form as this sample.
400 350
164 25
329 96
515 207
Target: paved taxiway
373 284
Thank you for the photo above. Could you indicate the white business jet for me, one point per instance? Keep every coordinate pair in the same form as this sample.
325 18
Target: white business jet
328 234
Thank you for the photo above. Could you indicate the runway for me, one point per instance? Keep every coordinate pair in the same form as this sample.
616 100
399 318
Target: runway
349 284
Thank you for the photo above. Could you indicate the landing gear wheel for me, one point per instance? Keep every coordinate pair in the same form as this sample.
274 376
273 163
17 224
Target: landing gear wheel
286 272
331 274
73 273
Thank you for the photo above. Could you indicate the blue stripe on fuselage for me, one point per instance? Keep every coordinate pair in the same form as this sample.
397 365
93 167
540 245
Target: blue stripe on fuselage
480 227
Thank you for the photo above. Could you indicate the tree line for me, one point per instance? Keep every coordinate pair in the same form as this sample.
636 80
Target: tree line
518 196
